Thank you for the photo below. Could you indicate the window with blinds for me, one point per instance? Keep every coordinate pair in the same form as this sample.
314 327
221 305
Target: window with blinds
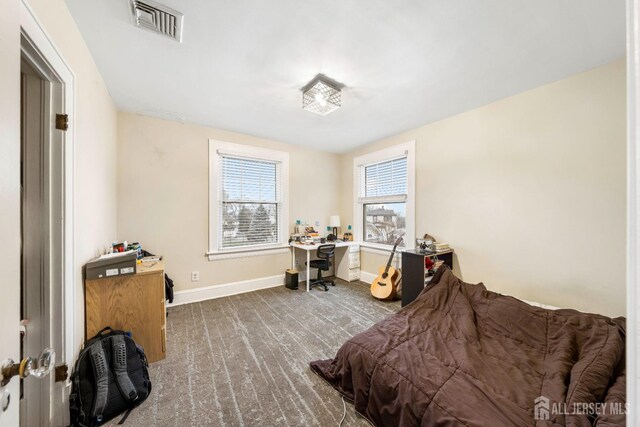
386 179
249 202
383 194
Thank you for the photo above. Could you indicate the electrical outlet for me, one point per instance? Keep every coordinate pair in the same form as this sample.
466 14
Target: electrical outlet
195 276
317 223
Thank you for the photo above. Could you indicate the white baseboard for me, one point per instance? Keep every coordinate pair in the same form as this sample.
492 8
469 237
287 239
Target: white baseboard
226 289
367 277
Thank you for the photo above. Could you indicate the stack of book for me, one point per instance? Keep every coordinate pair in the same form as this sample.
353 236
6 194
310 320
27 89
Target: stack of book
441 247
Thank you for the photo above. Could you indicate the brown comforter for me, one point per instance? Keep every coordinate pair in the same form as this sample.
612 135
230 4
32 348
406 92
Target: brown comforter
462 355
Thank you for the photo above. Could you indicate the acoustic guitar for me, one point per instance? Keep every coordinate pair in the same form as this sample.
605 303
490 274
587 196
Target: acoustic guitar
384 285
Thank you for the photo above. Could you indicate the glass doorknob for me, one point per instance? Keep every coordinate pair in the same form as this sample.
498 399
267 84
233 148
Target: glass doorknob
43 366
38 368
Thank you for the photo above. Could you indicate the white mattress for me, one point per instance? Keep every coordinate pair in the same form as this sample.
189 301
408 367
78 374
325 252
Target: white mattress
537 304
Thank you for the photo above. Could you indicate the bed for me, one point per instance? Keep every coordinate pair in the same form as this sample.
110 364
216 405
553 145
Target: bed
462 355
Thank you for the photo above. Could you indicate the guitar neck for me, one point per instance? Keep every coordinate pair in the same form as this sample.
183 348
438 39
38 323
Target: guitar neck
386 270
393 251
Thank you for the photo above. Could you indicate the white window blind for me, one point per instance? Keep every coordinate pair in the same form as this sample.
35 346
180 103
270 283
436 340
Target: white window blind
249 201
383 198
384 187
385 180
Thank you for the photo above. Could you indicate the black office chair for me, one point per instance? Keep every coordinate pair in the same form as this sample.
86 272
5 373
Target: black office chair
324 253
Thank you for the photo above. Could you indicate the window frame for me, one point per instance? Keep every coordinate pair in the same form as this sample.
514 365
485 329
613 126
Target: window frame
216 150
407 150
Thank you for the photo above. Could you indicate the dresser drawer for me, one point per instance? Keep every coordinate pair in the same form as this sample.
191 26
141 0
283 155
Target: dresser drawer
354 261
354 274
354 248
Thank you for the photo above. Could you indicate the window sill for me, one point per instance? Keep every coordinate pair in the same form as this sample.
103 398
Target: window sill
376 248
249 252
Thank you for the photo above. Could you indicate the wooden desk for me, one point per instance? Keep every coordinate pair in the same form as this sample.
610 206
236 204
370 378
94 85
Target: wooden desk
134 303
414 273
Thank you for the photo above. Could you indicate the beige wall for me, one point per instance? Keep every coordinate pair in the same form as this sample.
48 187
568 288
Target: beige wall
95 126
529 190
163 196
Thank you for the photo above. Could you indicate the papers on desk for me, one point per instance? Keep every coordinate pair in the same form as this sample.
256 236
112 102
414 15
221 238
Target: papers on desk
125 253
115 254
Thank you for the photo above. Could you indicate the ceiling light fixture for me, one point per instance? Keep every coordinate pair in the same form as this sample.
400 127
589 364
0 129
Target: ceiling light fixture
322 95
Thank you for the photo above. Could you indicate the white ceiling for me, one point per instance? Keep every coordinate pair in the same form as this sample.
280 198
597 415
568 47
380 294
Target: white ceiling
404 63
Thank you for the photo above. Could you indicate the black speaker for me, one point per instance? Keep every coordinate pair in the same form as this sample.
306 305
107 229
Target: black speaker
291 279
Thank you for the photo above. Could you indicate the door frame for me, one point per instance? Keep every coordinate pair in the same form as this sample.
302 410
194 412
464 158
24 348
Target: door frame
42 245
633 210
41 51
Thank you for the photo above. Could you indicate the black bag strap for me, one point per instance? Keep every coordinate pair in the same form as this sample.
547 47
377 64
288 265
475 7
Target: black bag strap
102 331
101 375
78 417
126 415
106 331
119 354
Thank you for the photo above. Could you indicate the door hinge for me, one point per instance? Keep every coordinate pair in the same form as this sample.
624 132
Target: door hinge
61 373
62 121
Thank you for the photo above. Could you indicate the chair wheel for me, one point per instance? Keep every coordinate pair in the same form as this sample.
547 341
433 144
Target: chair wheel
326 289
333 284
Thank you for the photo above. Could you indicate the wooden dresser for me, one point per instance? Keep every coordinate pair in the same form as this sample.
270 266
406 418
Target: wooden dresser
134 303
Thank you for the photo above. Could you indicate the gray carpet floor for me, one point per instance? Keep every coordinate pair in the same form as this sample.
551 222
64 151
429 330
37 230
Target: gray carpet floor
244 360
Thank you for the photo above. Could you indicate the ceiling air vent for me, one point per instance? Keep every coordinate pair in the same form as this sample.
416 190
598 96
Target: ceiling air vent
158 18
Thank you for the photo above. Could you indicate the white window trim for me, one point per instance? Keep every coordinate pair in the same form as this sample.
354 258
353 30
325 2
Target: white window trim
376 248
407 149
216 147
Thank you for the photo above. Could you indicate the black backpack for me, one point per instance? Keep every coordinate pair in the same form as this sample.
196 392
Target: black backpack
111 376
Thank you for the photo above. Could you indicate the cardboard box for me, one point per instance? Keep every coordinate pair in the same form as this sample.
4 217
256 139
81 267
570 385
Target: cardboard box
101 268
